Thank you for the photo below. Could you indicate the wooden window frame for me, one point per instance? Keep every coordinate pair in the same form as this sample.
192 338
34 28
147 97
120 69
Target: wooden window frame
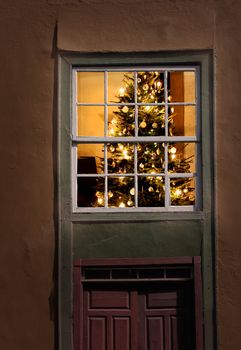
166 140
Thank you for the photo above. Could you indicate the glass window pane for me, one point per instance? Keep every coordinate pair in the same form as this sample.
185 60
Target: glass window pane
182 157
181 87
150 87
90 87
182 121
121 121
90 191
151 191
90 158
151 158
151 121
121 192
90 121
120 87
182 191
120 158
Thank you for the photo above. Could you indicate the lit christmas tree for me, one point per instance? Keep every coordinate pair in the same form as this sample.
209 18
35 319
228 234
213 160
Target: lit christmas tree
150 156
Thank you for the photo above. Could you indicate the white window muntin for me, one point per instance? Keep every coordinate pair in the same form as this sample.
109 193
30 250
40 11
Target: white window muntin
135 140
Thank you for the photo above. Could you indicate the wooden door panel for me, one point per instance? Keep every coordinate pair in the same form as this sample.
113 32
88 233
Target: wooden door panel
113 299
155 333
121 333
97 334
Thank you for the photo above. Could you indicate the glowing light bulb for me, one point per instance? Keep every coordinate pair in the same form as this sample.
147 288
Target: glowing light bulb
173 156
147 108
159 84
121 147
172 110
185 190
112 131
173 150
122 205
125 154
132 191
122 91
178 192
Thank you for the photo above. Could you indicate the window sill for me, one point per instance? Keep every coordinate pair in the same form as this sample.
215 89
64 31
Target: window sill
136 216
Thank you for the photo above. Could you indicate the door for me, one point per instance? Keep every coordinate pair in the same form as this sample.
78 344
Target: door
138 317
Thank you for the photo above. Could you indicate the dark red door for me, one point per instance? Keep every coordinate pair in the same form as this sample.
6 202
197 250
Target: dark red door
137 317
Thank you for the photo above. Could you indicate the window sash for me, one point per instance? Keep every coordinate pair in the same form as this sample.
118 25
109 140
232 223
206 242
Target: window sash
76 140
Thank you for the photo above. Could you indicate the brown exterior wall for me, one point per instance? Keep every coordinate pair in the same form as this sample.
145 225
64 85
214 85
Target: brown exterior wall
28 139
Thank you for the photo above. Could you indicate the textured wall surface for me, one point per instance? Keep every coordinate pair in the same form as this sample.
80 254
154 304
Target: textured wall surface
28 37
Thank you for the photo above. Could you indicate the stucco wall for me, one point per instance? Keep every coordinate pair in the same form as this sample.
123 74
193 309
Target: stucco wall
29 42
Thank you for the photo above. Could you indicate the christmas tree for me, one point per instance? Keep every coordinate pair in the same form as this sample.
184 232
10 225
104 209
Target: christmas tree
151 155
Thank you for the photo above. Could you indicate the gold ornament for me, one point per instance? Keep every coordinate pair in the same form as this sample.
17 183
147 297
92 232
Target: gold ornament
143 124
141 165
100 201
145 87
110 194
185 190
114 121
130 203
122 205
125 109
139 80
150 189
154 125
132 191
112 148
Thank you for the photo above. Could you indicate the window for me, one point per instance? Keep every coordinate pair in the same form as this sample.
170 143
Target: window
135 139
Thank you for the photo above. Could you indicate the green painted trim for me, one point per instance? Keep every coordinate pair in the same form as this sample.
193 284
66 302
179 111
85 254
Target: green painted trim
137 217
67 219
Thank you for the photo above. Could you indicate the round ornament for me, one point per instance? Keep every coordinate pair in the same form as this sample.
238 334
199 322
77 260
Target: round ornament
125 109
141 165
154 125
143 124
150 189
145 87
130 203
